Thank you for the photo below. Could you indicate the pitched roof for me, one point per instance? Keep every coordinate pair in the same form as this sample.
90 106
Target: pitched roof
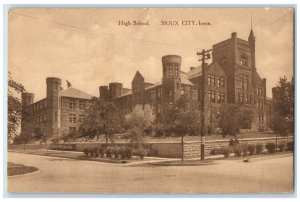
195 72
75 93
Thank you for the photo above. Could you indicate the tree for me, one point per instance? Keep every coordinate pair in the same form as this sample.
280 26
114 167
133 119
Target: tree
14 110
283 100
139 123
102 118
232 117
182 119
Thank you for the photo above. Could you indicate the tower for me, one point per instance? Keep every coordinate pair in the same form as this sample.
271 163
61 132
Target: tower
115 90
104 93
26 100
52 99
171 81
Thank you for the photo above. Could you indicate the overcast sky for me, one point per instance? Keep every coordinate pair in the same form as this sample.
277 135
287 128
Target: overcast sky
89 48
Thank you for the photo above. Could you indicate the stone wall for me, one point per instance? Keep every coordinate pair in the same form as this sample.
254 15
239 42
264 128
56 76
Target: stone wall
192 149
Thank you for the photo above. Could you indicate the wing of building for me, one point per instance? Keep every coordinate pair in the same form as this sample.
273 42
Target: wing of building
231 77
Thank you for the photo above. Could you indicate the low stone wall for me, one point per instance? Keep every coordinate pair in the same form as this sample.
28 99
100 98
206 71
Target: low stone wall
159 149
192 149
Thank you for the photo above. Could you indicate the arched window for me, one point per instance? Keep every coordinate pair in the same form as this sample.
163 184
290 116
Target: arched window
244 60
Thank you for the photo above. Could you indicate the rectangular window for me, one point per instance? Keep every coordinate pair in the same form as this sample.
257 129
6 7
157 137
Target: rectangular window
177 86
222 97
182 90
170 70
246 81
82 104
218 97
212 80
176 70
81 118
242 81
246 98
44 118
213 95
72 118
209 96
72 103
218 81
209 80
222 82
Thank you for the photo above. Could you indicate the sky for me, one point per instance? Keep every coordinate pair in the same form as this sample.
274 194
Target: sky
89 48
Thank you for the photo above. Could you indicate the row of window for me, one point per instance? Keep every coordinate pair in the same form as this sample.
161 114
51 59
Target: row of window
217 81
244 81
244 98
39 105
40 119
73 104
170 70
214 96
73 118
258 90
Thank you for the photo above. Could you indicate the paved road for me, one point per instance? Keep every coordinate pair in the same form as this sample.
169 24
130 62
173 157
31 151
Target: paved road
268 175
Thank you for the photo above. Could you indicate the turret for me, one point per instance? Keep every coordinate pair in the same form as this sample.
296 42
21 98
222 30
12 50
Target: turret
171 82
115 90
53 111
104 93
27 99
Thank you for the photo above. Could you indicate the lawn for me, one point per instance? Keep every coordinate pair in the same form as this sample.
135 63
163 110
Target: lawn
19 169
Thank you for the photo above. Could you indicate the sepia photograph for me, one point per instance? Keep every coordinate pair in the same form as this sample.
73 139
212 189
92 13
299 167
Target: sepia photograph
151 100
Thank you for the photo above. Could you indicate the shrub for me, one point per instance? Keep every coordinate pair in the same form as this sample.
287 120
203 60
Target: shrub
259 148
290 146
122 152
282 146
245 150
102 151
159 130
141 152
251 149
226 152
233 142
109 152
128 152
238 152
152 152
96 152
116 152
271 147
86 152
215 151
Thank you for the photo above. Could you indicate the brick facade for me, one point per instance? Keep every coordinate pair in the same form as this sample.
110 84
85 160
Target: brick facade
230 78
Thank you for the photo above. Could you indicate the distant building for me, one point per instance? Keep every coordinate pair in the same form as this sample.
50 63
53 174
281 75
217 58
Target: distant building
230 78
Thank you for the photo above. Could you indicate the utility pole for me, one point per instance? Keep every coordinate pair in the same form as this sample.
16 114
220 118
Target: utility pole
204 56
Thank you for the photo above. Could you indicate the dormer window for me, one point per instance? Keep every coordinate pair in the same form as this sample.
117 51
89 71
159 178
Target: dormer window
244 60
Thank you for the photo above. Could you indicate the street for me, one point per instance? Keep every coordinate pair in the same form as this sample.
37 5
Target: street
59 175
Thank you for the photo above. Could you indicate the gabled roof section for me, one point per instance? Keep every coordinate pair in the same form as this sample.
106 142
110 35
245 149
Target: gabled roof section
257 78
195 73
138 77
75 93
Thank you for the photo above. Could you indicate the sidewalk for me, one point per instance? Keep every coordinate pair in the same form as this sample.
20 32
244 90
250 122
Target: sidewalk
79 156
